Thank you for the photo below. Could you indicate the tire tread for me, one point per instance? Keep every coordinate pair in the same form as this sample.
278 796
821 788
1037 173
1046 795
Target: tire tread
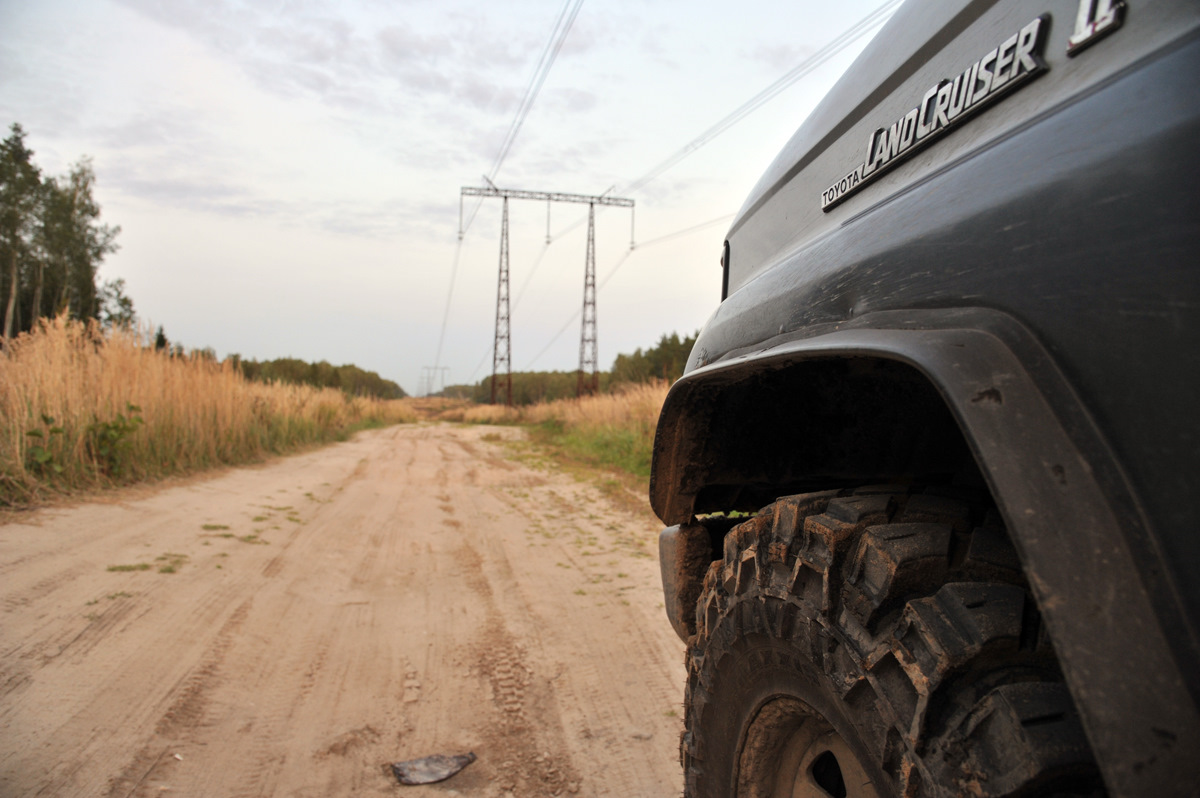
914 611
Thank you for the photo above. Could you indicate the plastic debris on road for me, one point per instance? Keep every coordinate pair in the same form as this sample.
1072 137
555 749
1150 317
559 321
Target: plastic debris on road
431 769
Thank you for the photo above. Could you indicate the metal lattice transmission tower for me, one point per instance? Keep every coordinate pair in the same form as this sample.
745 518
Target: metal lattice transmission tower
589 375
502 347
588 380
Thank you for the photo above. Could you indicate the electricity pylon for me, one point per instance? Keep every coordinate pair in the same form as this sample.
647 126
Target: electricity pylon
588 377
588 382
502 347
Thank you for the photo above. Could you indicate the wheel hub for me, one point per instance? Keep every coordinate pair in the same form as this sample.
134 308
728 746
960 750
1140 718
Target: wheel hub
790 751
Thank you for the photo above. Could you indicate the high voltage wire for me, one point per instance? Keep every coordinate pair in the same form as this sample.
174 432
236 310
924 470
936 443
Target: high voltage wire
570 10
554 45
533 271
437 360
805 67
604 281
516 303
558 35
616 267
685 231
844 40
549 54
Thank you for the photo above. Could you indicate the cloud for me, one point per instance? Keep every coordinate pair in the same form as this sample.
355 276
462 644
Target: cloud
782 57
325 54
570 100
404 47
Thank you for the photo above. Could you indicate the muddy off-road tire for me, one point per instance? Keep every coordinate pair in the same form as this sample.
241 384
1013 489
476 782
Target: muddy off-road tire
875 643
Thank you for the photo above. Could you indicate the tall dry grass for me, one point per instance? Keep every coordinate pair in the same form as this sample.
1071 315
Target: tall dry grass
631 405
634 406
194 412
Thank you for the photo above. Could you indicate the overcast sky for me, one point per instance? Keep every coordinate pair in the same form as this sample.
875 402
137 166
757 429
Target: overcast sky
286 175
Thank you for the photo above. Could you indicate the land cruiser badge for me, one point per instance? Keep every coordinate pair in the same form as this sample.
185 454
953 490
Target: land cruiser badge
1006 67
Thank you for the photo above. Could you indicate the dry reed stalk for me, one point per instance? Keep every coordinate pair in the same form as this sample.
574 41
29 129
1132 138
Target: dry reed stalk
194 412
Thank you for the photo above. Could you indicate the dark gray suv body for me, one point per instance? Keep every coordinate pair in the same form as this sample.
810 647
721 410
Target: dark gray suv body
975 267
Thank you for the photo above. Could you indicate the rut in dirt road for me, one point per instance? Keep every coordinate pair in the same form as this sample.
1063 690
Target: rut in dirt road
290 629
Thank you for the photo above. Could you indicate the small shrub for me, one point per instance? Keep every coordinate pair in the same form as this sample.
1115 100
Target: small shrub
109 442
40 454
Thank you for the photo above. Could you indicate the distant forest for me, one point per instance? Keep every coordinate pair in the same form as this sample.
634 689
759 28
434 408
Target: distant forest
351 379
664 361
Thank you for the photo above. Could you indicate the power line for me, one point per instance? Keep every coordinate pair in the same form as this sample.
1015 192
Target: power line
620 262
856 31
558 35
554 45
437 360
502 347
516 304
844 40
841 42
685 231
533 271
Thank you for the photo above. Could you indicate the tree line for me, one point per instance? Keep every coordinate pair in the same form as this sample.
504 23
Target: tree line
349 378
664 361
52 243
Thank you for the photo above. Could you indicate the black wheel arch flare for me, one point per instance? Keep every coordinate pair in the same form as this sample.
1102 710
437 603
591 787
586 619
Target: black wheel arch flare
771 418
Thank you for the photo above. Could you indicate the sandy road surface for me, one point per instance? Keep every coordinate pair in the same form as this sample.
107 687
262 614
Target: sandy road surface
413 591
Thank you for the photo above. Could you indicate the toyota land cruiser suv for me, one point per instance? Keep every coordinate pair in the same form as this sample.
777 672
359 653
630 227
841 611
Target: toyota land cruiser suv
933 473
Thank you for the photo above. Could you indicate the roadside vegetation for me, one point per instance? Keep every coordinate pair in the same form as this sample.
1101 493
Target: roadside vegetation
612 431
84 408
88 399
664 362
348 378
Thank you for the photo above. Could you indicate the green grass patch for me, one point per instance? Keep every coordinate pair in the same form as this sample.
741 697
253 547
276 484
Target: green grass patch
139 566
171 562
626 449
213 527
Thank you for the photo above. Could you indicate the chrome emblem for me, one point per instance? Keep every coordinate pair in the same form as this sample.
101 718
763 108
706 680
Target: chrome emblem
1096 19
1006 67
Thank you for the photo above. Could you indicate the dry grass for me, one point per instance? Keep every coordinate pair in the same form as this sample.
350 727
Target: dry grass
194 412
612 431
634 407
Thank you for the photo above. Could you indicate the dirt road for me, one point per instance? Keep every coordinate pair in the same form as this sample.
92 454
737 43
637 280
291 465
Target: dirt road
289 629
